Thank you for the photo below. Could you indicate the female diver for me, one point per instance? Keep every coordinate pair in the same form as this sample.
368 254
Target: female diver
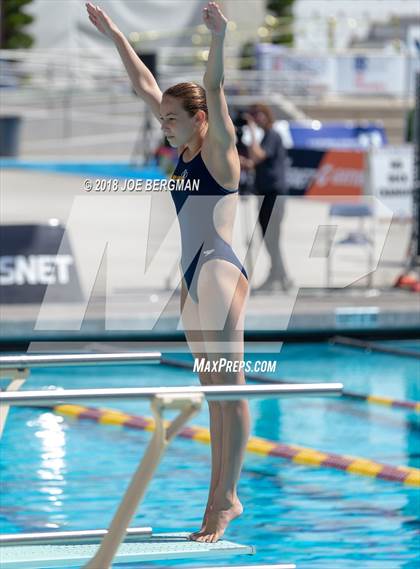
214 288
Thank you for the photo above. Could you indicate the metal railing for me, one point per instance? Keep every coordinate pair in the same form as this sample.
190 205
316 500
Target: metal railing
210 393
68 537
50 360
17 368
301 74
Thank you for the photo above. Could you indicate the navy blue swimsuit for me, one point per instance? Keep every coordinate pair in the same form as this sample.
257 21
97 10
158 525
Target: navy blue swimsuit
199 238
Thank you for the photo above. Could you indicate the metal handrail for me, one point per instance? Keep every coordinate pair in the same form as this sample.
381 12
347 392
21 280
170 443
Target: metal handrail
17 367
68 537
48 360
211 393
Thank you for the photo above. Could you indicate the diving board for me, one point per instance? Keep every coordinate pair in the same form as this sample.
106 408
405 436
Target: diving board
159 546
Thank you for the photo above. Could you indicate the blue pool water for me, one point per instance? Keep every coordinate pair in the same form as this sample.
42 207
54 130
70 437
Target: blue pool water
99 169
68 474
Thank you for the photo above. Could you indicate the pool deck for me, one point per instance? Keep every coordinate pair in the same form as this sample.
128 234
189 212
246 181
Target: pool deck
132 306
304 310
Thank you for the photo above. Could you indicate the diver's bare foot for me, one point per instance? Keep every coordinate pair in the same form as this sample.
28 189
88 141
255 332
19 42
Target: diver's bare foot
203 523
218 519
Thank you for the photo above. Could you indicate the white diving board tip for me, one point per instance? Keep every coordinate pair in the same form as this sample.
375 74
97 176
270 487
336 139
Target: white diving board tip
159 546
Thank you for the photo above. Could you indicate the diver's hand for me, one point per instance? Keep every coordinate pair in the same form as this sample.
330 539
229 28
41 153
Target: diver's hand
101 21
214 19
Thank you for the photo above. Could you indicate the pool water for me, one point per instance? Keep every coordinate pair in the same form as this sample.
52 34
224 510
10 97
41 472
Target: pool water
58 472
94 169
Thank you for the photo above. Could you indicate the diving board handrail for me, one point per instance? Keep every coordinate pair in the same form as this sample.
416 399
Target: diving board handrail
211 393
67 537
16 367
48 360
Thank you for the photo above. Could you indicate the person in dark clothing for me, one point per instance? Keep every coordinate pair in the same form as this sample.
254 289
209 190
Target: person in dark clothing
268 160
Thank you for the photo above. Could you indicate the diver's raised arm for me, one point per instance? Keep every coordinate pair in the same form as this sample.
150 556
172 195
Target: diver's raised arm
143 82
221 129
216 23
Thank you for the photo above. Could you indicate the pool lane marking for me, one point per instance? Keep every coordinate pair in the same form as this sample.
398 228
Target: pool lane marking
374 347
372 399
297 454
385 401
